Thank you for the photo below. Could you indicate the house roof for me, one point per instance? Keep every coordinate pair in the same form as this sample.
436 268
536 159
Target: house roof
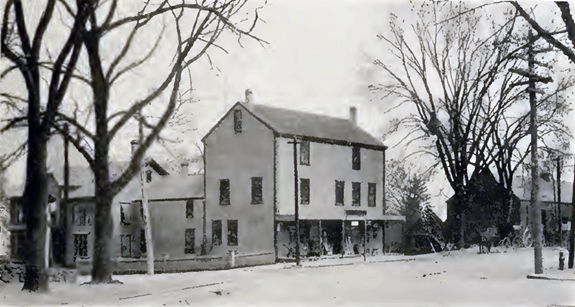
297 123
82 178
484 182
177 186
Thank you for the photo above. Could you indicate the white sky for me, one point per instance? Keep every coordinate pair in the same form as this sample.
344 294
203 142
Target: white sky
319 60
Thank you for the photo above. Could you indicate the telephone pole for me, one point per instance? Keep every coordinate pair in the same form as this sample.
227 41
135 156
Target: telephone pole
559 201
535 210
535 205
572 228
296 201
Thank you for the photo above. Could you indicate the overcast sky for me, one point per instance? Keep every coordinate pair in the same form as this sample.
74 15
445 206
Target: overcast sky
319 60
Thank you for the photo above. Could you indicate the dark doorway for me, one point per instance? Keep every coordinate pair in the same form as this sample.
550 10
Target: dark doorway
332 233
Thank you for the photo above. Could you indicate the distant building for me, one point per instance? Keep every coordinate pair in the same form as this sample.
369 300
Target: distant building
548 197
17 223
176 210
249 171
485 210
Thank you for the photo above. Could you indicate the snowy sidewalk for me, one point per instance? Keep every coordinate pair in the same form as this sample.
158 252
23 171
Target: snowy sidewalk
331 262
460 279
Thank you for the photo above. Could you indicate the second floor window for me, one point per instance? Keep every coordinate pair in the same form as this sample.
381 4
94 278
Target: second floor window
224 192
238 121
356 158
339 187
80 215
233 232
304 153
371 192
189 209
356 194
257 190
304 191
217 232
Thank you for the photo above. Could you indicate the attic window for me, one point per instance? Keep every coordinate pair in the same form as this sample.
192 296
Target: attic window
356 158
238 121
148 176
304 153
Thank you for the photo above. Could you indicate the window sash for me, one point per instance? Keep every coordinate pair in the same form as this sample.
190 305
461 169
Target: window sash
304 191
356 158
224 192
232 232
190 240
190 209
304 153
81 245
126 245
238 121
143 243
339 192
356 194
372 194
216 232
257 190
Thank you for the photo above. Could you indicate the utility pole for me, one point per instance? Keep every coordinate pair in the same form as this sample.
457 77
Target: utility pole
535 210
572 230
147 223
296 201
535 205
559 201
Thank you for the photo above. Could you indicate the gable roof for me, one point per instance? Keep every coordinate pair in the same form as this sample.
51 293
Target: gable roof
484 183
82 177
296 123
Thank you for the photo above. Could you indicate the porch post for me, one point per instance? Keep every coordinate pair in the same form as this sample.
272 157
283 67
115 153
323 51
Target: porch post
320 238
343 237
364 237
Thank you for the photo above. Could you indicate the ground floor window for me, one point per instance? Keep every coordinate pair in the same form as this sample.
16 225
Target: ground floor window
143 247
80 246
233 232
190 237
217 232
126 245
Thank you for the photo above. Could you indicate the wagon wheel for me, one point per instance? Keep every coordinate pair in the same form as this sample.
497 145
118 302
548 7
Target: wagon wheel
527 238
517 242
506 242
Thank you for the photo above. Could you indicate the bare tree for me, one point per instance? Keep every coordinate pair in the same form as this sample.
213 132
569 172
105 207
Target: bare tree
210 20
22 45
451 75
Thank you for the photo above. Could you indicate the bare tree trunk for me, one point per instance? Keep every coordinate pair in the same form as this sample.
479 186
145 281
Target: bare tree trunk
34 202
103 233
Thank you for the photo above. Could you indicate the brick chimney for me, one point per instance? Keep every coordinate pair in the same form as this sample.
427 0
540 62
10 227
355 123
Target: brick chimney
249 96
184 169
353 115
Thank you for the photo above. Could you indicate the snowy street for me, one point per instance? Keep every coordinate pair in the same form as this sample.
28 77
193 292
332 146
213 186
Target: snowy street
461 279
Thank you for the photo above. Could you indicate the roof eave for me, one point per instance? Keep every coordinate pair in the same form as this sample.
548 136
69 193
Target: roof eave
331 141
228 113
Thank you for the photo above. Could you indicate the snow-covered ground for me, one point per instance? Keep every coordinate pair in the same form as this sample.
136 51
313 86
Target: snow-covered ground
461 279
